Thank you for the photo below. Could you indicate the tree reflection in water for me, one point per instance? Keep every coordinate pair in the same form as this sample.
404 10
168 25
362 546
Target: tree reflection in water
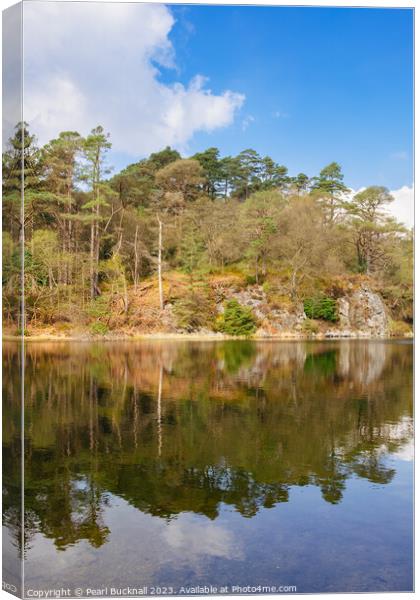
186 426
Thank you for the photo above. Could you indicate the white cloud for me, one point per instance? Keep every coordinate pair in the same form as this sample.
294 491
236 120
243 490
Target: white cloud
89 63
247 122
191 536
58 102
403 206
12 71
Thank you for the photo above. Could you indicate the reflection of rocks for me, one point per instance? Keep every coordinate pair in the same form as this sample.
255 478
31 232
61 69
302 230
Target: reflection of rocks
269 356
361 363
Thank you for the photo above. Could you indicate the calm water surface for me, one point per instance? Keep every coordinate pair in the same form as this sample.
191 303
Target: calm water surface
232 463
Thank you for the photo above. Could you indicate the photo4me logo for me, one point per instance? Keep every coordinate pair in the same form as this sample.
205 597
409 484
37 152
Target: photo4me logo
236 589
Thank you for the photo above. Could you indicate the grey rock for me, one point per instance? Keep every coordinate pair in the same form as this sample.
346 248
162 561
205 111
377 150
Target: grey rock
365 312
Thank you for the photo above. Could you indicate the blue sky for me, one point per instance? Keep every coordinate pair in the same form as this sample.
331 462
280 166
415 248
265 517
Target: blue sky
321 84
306 86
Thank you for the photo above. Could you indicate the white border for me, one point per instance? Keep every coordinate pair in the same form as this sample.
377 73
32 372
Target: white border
321 3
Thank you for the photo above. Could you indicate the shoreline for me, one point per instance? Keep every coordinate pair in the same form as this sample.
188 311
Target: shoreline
200 337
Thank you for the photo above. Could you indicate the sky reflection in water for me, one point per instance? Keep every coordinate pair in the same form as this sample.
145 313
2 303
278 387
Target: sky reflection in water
232 463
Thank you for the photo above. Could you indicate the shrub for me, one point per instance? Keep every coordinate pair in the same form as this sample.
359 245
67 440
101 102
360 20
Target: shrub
194 310
99 308
322 307
24 332
267 287
250 279
237 319
99 328
309 326
400 329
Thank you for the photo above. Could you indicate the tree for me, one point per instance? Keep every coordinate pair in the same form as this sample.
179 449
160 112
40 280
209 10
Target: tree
220 229
191 251
304 248
194 309
237 319
183 176
158 160
135 184
372 226
329 187
246 169
260 216
93 243
136 246
22 177
212 170
301 183
179 182
95 147
61 173
321 307
228 169
272 175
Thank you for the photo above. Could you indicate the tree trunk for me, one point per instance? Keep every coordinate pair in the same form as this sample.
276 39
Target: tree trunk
69 273
368 262
96 249
159 410
92 260
94 230
136 259
126 301
160 247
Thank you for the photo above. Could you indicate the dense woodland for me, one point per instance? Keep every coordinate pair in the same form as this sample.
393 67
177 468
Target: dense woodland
111 251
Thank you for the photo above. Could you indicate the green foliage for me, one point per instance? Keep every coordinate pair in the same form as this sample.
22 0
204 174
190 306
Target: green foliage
22 332
321 307
99 308
88 237
237 354
310 327
161 159
237 319
11 258
194 311
400 329
251 280
212 169
99 328
330 180
322 364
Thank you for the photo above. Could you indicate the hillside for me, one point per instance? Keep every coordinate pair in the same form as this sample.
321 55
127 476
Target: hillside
205 244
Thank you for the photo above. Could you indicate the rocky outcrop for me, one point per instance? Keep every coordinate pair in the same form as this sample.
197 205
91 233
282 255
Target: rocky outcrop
272 321
363 312
254 297
286 319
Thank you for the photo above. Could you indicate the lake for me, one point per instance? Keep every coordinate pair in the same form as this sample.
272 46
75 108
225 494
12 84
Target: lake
181 464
